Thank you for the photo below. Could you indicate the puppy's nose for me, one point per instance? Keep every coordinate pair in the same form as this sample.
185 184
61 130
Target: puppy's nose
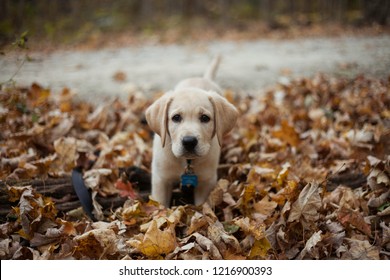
189 143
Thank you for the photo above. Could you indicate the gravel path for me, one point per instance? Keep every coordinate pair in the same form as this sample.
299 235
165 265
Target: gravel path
246 66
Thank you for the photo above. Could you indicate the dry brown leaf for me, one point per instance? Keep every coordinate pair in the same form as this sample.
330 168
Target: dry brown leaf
378 201
386 235
384 212
97 243
305 208
198 221
216 196
326 133
264 208
208 245
257 230
310 244
349 217
343 197
363 250
224 242
66 150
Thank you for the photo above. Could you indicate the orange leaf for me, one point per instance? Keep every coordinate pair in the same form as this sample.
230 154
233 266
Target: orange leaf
287 134
126 189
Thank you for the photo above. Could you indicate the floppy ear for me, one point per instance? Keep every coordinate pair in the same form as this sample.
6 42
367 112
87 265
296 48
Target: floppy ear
157 116
225 115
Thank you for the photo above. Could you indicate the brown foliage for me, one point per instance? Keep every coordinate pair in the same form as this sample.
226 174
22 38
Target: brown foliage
304 175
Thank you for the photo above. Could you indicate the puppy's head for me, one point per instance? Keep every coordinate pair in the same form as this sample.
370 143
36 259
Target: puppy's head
189 119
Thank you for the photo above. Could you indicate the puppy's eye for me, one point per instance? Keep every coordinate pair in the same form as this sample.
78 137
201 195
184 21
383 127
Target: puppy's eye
204 118
176 118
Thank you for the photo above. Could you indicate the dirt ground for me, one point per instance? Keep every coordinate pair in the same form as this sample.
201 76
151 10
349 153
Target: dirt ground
247 67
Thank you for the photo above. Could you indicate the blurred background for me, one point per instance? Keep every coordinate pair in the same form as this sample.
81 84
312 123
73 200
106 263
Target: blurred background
102 48
72 22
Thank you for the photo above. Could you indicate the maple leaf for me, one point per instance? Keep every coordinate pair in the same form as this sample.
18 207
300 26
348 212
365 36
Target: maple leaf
155 242
305 208
256 207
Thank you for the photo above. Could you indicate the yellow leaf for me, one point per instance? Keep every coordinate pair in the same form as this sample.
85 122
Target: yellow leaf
257 230
155 242
249 194
287 134
260 249
289 192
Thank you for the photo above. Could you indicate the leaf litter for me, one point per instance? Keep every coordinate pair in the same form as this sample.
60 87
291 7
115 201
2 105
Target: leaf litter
304 175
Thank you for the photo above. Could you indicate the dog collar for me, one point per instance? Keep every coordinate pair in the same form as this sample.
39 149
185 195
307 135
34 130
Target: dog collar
188 182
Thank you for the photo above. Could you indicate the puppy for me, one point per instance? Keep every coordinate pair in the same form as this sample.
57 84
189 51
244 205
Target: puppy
190 122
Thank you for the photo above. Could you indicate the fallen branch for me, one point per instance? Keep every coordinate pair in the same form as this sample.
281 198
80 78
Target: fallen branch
60 190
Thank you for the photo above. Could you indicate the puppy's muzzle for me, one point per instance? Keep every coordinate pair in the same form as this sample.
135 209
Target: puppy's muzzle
189 143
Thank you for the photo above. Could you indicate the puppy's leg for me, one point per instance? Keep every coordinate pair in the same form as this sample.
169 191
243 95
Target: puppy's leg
161 190
203 190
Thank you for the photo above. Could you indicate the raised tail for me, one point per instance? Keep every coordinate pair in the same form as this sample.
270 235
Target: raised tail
211 70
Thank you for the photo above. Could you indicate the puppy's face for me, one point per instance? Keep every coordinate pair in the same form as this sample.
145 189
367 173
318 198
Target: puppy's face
191 124
189 119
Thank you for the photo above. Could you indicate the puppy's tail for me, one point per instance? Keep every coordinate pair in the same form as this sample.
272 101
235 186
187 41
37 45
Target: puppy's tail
212 68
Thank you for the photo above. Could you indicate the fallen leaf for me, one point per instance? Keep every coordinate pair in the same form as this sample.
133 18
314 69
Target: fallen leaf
287 134
208 245
260 249
312 242
305 208
97 243
66 150
363 250
257 230
155 242
265 208
350 217
126 189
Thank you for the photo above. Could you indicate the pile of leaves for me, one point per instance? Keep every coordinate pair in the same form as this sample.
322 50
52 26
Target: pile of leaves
304 175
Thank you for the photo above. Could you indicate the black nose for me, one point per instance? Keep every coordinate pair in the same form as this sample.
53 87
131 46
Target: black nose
189 143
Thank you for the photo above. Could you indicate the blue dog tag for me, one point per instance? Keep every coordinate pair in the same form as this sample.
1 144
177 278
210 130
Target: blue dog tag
189 181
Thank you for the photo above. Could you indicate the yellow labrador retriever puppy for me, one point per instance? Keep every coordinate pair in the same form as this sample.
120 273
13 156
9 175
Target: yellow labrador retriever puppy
190 122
